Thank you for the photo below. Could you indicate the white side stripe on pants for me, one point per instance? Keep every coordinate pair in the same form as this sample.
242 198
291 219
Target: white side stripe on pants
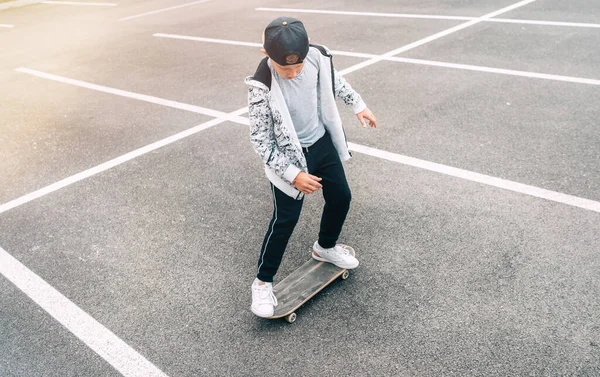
262 253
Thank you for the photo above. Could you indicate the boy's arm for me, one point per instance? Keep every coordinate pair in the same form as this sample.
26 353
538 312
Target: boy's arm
261 120
344 91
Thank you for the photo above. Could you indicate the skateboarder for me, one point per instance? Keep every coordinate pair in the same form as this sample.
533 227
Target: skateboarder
296 130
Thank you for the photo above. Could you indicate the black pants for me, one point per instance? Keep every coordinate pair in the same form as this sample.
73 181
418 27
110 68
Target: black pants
323 161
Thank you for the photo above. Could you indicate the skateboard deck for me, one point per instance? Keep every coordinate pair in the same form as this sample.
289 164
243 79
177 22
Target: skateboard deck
305 282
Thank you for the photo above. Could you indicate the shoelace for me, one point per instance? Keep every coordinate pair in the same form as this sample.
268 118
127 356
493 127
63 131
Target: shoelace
344 252
264 293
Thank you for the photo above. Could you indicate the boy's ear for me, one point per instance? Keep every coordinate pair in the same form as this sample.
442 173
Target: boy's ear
264 52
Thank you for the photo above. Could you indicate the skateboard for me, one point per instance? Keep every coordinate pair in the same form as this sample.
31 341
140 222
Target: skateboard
305 282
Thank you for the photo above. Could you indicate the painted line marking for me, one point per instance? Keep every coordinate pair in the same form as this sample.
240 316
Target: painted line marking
208 40
509 72
101 340
124 93
80 3
6 25
247 44
431 17
17 3
466 67
496 182
436 36
234 117
537 192
544 23
368 14
162 10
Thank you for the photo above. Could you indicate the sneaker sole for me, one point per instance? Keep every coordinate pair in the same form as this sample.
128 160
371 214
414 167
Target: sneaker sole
259 314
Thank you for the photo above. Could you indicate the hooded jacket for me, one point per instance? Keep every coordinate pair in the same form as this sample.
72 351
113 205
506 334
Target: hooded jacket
272 132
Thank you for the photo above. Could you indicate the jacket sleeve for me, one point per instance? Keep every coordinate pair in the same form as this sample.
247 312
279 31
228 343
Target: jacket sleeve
344 91
262 136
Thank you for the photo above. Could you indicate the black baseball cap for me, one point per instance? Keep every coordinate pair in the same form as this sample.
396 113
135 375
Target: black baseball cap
285 36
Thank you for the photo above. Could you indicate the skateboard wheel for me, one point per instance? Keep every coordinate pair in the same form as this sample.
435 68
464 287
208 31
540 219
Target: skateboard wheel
345 275
291 318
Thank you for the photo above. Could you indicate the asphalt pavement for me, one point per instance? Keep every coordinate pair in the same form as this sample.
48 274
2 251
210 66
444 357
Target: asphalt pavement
128 246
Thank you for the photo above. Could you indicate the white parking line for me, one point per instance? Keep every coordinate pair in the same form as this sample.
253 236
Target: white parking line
411 161
162 10
432 63
366 14
17 3
101 340
234 117
544 23
6 25
537 192
215 113
436 36
247 44
80 3
208 40
501 71
430 17
124 93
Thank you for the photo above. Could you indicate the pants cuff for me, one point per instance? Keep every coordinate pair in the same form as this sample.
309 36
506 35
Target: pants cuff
266 279
326 244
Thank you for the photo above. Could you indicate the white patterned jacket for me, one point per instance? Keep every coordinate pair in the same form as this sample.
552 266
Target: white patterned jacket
271 129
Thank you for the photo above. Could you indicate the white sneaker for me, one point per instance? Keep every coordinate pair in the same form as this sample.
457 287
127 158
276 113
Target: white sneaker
263 299
336 255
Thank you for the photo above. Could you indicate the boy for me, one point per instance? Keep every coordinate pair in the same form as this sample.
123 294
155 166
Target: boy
296 129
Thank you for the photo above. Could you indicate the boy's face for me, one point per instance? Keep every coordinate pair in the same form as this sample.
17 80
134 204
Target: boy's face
288 72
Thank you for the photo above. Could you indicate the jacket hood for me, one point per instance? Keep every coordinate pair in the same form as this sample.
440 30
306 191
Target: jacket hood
262 76
251 81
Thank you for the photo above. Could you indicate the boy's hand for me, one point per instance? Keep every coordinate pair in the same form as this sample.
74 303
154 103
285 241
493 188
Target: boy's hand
368 115
307 183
